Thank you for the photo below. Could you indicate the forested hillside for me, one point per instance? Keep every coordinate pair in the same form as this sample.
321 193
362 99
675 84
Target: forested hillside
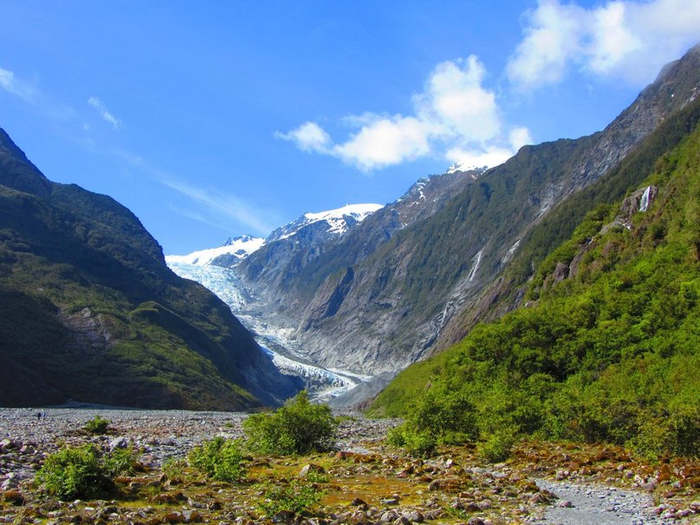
90 312
607 346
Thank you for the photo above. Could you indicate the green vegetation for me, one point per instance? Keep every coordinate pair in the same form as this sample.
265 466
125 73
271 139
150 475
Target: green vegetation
97 425
83 472
85 293
299 427
220 459
610 353
296 497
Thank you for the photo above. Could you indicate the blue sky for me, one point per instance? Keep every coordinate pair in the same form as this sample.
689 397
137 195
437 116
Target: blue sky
216 119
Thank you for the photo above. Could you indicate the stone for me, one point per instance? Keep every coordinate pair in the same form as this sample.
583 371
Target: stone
14 496
118 442
283 516
434 486
475 521
414 516
566 504
311 468
358 518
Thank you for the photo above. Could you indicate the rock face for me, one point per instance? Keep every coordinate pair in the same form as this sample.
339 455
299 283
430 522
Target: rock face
89 310
384 295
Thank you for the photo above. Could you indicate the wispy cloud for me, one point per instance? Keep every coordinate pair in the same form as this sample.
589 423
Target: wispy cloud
454 117
620 39
103 112
16 87
217 208
224 205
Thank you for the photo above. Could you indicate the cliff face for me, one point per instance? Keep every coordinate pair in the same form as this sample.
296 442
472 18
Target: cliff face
391 291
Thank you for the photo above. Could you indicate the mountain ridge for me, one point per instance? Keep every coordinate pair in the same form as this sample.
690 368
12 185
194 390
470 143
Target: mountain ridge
113 315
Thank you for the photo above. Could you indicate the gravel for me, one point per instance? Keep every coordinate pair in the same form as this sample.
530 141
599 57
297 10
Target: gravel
588 504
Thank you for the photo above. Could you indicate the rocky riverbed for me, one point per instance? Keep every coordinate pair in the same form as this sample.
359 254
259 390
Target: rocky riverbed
362 482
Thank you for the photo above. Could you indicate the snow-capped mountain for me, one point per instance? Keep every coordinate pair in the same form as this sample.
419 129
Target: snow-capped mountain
333 222
458 167
218 270
228 254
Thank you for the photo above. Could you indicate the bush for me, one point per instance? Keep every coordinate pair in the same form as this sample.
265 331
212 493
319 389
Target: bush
297 497
97 425
299 427
82 472
419 443
220 459
498 445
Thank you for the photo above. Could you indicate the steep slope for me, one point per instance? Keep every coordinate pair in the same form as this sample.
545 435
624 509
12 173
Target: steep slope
89 311
294 245
608 348
293 285
505 293
388 309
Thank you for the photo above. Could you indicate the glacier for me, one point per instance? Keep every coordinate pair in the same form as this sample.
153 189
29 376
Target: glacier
215 269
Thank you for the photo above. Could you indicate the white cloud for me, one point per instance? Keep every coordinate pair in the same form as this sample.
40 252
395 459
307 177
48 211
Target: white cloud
628 39
455 104
308 137
102 110
454 112
385 141
16 87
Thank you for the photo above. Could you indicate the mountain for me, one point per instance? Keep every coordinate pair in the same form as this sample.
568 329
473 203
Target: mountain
229 254
89 311
606 345
388 293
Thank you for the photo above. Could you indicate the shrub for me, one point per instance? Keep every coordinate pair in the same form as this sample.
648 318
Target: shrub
220 459
419 443
299 427
97 425
82 472
297 497
498 445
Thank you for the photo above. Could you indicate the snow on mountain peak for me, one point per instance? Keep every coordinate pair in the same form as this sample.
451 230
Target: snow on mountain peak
338 220
237 248
462 167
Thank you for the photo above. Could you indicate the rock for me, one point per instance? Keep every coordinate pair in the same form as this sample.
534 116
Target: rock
311 468
390 501
14 496
414 516
357 502
475 521
485 504
184 516
283 516
358 518
402 520
566 504
118 442
434 486
389 516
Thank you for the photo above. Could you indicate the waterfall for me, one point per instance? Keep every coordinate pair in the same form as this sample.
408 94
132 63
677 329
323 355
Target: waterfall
644 203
